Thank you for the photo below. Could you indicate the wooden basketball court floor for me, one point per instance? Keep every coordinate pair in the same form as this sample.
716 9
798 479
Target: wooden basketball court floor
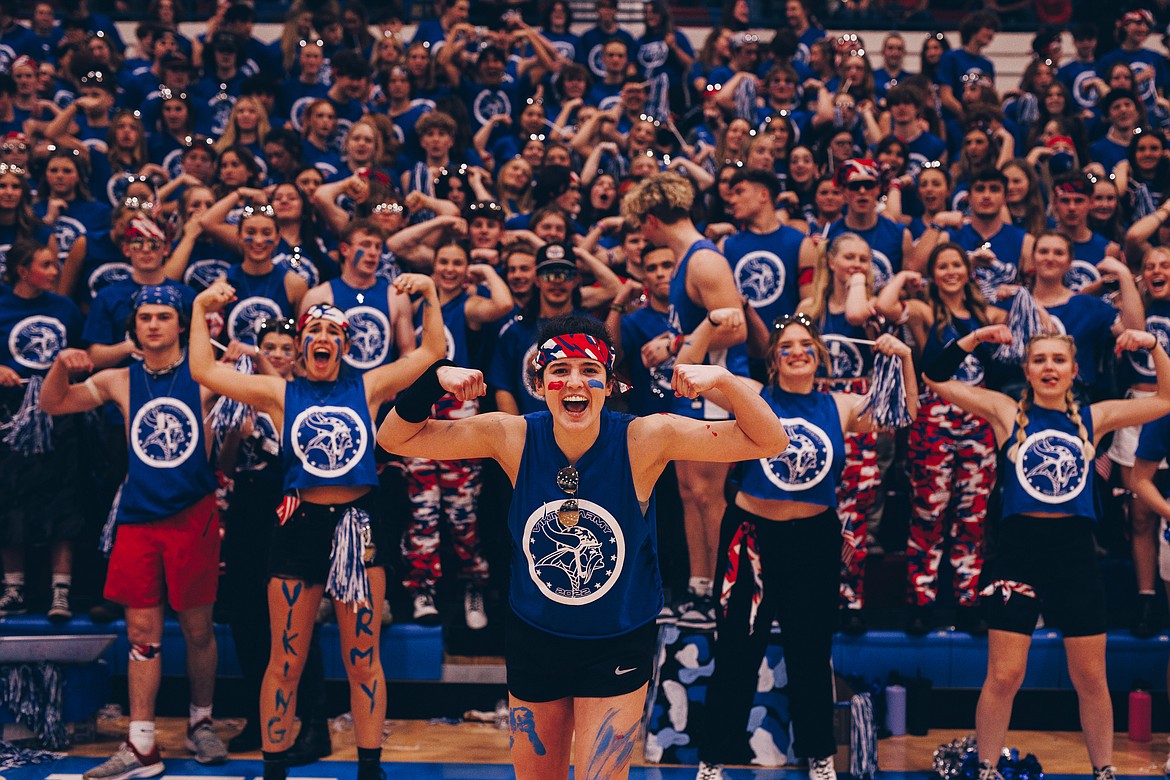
421 750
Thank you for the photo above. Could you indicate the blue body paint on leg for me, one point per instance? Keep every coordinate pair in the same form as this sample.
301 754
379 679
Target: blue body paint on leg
286 641
282 702
370 692
355 654
275 735
290 598
365 617
521 719
612 749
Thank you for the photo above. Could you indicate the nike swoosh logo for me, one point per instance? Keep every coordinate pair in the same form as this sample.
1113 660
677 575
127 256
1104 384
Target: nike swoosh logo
618 670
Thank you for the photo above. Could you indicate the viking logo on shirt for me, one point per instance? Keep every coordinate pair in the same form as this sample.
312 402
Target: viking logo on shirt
244 316
105 275
806 460
369 337
1080 275
301 266
1141 360
35 341
1051 466
970 371
164 433
489 103
883 269
845 358
329 440
1083 92
529 387
201 274
597 61
760 276
574 565
67 230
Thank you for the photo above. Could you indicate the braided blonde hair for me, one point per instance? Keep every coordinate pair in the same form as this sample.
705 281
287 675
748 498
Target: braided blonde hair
1073 408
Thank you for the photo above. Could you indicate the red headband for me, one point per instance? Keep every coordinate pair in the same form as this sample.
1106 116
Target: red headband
1059 139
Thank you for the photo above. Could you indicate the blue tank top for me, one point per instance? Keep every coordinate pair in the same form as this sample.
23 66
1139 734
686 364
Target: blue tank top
328 436
1006 246
1137 367
1086 255
971 370
600 577
847 360
454 329
810 467
258 297
885 244
371 339
765 270
1051 472
169 468
685 315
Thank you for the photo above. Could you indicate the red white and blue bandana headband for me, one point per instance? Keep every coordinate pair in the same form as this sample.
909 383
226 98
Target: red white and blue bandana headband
857 168
159 295
140 227
573 345
323 311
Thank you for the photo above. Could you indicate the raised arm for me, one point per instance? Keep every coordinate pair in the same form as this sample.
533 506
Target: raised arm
58 396
996 408
709 281
176 264
499 301
384 381
1131 309
266 393
1111 415
862 423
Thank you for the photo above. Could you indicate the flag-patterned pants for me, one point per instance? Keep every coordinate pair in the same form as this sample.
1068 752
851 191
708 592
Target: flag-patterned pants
442 490
859 485
952 461
860 481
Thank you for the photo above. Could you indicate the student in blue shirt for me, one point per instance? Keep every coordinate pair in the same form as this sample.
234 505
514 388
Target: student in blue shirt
976 33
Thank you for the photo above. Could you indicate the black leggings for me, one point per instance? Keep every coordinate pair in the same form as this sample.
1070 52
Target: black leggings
801 564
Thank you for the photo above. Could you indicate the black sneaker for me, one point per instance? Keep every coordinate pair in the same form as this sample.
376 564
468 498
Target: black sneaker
59 609
1145 622
425 611
12 602
699 612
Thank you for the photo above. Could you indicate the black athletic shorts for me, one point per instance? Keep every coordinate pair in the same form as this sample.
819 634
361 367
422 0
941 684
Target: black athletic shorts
1045 565
546 667
301 547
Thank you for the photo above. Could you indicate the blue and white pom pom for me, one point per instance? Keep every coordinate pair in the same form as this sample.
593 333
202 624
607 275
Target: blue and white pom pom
348 581
1024 322
886 401
228 414
30 431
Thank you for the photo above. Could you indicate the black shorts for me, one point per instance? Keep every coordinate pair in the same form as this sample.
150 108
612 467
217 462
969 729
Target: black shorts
1055 559
546 667
301 547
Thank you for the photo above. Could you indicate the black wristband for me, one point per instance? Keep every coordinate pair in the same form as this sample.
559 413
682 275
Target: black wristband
415 402
947 362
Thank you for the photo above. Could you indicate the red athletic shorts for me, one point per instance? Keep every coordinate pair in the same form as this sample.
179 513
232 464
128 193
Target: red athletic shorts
178 555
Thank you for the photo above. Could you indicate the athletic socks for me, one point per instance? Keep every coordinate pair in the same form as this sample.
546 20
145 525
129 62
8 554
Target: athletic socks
275 764
142 736
369 763
700 586
198 714
62 581
14 579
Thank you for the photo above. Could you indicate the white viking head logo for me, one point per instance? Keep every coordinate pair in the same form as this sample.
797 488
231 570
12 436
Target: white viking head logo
331 438
577 554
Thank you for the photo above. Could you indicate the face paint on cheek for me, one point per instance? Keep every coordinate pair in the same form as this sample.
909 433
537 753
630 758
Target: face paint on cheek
556 384
596 384
340 350
305 347
358 255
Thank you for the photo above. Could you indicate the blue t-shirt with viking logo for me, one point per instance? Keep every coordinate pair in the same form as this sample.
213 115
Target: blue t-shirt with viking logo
1137 366
810 467
169 467
1051 473
847 358
971 371
79 218
328 436
765 269
885 245
371 337
1086 255
259 297
34 330
598 578
1003 267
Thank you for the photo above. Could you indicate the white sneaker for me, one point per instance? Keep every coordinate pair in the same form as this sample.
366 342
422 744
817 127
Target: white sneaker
987 771
473 608
821 769
709 771
425 611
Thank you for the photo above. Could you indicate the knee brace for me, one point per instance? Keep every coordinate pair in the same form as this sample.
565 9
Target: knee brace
145 651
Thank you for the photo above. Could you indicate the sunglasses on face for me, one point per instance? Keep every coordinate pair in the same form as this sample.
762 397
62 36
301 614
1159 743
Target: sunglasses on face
861 186
146 243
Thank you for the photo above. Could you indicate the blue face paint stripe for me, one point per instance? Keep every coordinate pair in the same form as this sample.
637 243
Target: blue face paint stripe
595 384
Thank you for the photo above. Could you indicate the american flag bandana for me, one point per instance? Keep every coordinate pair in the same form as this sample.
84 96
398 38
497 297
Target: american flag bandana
743 543
287 507
1008 587
323 311
573 345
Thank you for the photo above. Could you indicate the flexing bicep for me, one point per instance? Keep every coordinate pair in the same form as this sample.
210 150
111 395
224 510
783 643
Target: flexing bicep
996 408
1111 415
